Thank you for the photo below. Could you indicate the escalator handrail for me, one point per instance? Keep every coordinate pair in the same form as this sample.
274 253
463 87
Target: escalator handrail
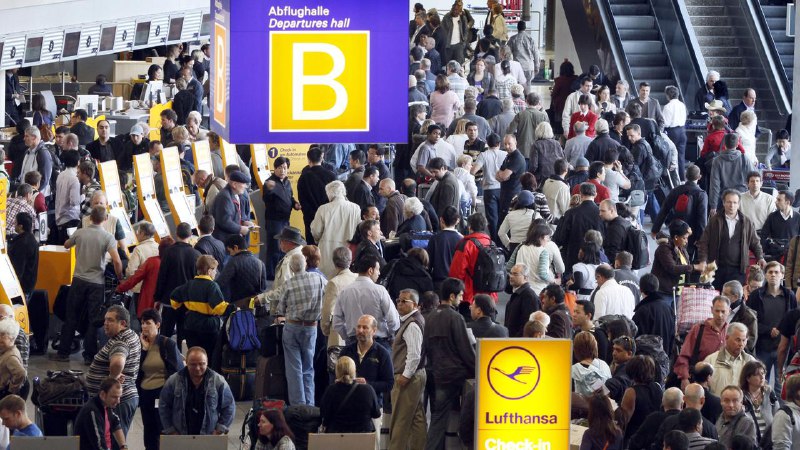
694 51
758 25
666 50
615 41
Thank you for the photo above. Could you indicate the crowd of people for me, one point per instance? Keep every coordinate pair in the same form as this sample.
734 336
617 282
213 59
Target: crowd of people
383 278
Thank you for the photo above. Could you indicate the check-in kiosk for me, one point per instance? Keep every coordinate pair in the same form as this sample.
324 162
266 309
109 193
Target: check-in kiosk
182 210
258 155
109 181
10 287
148 202
228 152
202 156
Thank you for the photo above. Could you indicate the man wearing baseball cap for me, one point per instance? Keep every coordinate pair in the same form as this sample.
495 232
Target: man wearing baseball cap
135 144
231 209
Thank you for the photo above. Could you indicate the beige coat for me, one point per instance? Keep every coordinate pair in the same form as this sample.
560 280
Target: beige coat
332 290
12 372
332 227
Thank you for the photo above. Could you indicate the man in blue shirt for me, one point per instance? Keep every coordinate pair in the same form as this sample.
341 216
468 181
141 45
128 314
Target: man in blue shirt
12 412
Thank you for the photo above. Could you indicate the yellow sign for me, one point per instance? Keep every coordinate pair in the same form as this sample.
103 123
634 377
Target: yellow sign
182 211
202 156
524 389
155 120
328 86
298 159
109 180
220 74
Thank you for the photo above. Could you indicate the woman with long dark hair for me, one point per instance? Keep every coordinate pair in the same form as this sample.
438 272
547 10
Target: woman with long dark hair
273 432
41 116
603 432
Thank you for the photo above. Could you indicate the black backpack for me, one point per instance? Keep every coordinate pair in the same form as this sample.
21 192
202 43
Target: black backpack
636 244
489 273
661 151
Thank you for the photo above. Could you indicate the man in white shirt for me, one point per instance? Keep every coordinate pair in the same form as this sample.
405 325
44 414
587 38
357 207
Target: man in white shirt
571 105
754 204
729 360
610 297
674 113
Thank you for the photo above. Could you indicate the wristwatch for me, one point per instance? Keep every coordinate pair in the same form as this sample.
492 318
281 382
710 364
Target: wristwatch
123 446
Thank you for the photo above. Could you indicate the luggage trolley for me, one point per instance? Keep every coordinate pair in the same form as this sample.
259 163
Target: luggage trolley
57 418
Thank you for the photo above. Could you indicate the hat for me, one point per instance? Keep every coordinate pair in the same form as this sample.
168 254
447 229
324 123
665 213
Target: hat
240 177
525 198
137 130
715 105
582 162
292 235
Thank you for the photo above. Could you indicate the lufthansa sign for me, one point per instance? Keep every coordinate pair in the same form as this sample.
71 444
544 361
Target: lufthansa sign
325 71
523 389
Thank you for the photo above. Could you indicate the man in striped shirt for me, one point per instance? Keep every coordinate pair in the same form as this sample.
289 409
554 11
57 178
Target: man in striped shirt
118 359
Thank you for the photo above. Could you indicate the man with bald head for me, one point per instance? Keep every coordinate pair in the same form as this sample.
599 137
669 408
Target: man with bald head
645 436
392 215
373 361
693 398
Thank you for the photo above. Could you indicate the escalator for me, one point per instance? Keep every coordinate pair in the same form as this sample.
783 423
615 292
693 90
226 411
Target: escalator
644 48
736 41
775 16
636 41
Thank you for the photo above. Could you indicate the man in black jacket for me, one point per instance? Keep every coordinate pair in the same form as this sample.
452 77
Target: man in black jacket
625 276
442 246
696 216
583 319
311 188
596 151
178 265
742 313
523 301
694 397
645 436
84 132
576 222
244 276
616 227
98 415
482 326
23 250
362 191
654 315
375 158
208 244
560 326
451 358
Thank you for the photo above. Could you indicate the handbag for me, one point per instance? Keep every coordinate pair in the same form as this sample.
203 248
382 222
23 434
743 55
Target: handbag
694 307
344 400
45 130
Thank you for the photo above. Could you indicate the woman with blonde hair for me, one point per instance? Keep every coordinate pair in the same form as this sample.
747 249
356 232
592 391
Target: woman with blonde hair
459 136
748 125
347 406
590 371
544 153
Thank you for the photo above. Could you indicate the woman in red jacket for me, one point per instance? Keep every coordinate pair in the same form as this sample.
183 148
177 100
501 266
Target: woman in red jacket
147 273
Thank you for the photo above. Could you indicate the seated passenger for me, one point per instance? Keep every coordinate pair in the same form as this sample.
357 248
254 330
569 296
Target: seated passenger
348 406
12 372
12 412
273 432
98 415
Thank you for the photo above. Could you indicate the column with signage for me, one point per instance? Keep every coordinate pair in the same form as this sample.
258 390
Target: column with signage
148 202
258 157
182 211
523 392
109 181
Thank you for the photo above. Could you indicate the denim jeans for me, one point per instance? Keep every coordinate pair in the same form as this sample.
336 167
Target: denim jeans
125 410
678 137
770 360
447 397
298 354
491 205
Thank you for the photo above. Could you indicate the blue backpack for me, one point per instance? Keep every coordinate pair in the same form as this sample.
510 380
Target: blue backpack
242 331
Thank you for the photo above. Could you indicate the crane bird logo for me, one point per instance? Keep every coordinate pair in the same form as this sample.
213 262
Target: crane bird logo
513 373
521 370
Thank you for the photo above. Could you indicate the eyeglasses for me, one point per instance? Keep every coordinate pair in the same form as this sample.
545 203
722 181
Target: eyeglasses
404 300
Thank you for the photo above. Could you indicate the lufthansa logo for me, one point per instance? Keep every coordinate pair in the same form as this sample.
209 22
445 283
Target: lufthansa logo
513 373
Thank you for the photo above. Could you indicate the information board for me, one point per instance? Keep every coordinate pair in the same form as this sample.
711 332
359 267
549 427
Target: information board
109 181
258 156
523 393
293 71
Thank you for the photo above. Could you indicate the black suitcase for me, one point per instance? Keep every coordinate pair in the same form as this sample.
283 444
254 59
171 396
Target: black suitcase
239 370
39 316
60 303
270 379
271 340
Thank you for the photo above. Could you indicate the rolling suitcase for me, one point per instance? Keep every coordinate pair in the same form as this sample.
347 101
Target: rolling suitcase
39 314
271 338
239 370
271 378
